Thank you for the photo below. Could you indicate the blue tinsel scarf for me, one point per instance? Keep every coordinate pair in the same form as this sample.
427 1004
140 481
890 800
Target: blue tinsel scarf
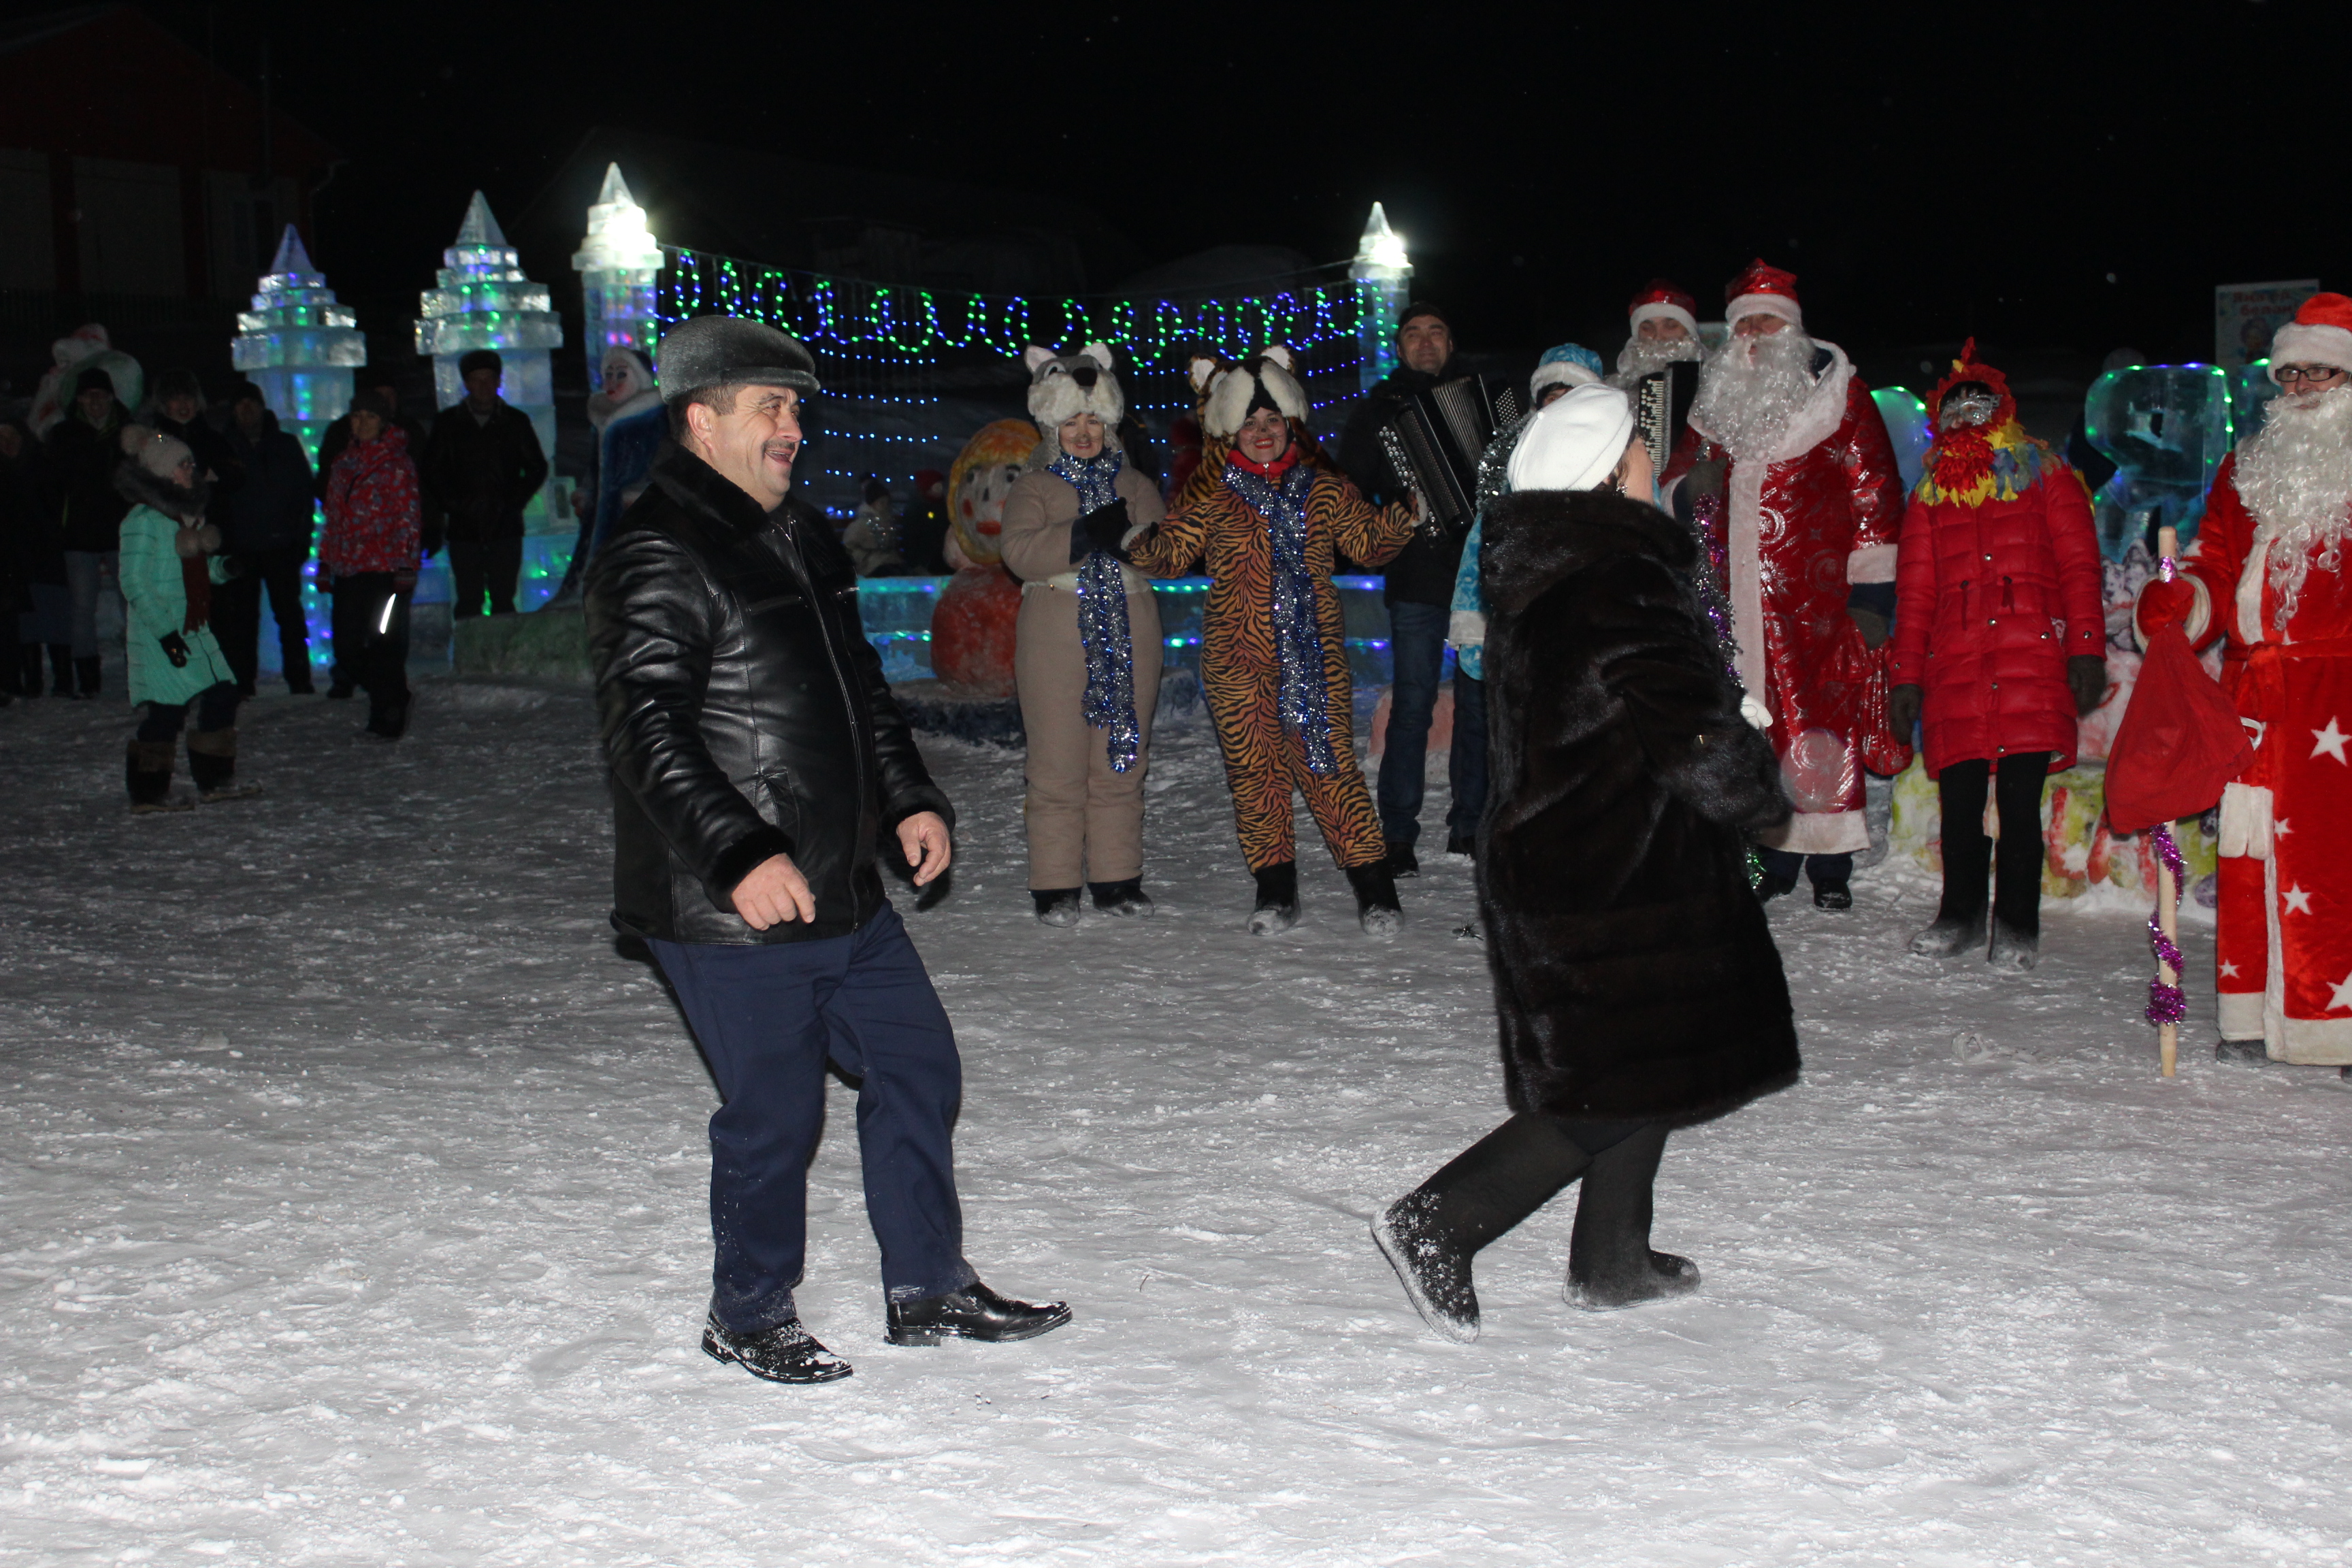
1297 638
1109 703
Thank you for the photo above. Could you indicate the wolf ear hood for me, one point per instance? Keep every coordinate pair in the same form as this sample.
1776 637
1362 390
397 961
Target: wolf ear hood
1267 379
1062 386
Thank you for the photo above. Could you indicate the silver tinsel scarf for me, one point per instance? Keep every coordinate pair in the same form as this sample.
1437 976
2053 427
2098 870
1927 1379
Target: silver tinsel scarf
1297 638
1110 701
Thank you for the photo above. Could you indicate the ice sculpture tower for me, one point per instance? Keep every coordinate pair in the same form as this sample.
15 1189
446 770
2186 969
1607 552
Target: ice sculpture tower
1383 275
2167 428
298 345
616 261
483 302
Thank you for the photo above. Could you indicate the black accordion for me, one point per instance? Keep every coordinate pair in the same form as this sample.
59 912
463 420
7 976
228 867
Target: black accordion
1435 442
1661 405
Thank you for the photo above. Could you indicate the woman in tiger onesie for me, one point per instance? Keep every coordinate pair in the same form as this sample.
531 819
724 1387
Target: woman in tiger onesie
1268 510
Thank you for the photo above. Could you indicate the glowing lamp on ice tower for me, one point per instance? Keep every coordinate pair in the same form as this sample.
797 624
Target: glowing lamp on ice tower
1383 277
617 261
482 301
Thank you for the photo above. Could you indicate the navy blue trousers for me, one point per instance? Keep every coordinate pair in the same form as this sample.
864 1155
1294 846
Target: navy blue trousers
768 1019
1417 658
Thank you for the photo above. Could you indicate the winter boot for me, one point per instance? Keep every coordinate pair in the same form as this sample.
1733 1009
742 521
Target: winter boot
29 669
1277 898
1772 885
62 669
147 770
298 680
1952 934
1124 897
1055 906
1833 896
388 720
1402 861
1609 1263
1430 1235
1461 844
2246 1053
212 763
1376 899
88 677
2013 951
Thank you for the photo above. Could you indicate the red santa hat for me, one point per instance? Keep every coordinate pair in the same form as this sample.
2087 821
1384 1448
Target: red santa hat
2320 333
1763 291
1662 298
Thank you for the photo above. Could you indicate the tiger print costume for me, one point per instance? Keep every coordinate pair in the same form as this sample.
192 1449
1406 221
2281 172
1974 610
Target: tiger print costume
1240 671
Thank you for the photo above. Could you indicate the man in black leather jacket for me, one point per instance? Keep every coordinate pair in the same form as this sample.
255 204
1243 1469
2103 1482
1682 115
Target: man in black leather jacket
757 758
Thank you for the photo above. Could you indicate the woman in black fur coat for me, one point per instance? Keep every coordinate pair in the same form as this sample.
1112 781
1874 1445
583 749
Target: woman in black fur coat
1635 978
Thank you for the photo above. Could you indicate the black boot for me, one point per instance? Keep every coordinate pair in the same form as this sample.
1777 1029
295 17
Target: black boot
974 1312
1055 906
1277 898
1377 909
2243 1052
29 669
1772 885
298 679
1430 1235
1609 1263
785 1353
2017 900
1402 861
62 669
1122 898
212 764
147 771
1954 931
87 676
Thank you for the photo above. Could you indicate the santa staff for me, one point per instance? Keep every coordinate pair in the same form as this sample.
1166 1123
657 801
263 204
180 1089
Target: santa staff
2267 572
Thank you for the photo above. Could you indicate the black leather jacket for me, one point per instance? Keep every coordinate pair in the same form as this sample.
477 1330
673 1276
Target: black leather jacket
743 713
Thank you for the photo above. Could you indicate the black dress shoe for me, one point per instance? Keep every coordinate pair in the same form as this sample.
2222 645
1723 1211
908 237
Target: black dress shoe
785 1353
1402 861
974 1312
1461 844
1833 896
1772 885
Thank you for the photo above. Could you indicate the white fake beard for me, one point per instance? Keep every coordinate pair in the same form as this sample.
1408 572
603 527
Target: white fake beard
1645 356
2295 476
1750 389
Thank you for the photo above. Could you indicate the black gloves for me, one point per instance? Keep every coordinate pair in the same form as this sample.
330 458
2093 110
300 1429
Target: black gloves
2087 676
1902 711
175 649
1104 529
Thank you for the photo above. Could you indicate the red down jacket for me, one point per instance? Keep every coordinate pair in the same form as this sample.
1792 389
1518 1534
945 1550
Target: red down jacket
1990 601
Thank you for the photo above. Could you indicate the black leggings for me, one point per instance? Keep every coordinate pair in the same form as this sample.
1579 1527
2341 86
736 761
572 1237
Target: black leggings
1968 853
215 710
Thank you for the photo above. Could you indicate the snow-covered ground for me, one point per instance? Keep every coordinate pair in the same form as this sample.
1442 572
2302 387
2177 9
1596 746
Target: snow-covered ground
351 1212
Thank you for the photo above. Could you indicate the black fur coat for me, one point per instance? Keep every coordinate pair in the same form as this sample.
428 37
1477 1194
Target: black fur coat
1634 974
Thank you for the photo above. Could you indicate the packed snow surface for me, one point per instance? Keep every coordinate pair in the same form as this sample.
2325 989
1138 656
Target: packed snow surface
352 1211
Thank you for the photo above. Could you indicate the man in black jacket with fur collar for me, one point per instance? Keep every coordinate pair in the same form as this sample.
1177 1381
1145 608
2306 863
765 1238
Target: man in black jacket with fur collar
757 758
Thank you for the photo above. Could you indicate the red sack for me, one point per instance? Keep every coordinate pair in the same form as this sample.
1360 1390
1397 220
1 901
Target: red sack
2178 743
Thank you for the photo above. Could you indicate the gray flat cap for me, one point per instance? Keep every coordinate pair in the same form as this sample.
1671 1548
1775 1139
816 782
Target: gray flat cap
724 351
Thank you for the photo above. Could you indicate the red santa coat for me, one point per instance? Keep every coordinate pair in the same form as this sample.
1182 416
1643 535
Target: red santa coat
1792 535
1990 602
2283 955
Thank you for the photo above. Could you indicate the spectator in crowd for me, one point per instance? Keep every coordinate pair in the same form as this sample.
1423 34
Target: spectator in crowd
368 557
41 605
481 467
85 450
923 531
376 378
268 529
872 536
171 564
178 411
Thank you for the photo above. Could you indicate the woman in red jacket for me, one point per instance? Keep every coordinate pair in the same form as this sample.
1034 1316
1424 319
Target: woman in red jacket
2000 632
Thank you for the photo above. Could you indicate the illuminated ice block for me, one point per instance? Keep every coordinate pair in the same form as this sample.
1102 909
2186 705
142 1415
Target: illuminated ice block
616 261
1384 278
298 345
1905 418
483 302
2167 428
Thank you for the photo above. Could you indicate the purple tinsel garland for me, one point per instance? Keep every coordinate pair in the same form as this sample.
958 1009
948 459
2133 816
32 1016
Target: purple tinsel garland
2165 1004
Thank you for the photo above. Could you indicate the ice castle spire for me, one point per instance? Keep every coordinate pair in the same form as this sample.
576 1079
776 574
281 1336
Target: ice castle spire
298 345
617 259
1383 275
482 301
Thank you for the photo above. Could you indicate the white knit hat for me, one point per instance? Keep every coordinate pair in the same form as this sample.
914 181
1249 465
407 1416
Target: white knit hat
1575 443
163 455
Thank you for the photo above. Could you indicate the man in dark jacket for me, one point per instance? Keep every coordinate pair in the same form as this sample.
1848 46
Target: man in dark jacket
1419 592
267 532
481 469
85 449
1636 985
758 758
178 411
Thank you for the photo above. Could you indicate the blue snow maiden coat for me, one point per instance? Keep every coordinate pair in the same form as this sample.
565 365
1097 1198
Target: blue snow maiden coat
1634 974
155 594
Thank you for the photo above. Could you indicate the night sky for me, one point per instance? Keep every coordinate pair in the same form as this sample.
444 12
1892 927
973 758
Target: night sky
2057 178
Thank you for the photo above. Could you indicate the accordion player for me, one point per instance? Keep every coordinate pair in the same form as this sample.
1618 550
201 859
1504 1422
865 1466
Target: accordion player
1434 441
